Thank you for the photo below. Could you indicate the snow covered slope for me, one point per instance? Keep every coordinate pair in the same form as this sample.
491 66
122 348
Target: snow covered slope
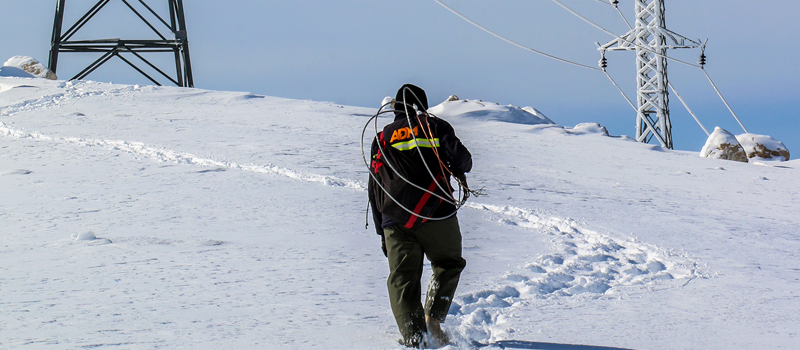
139 217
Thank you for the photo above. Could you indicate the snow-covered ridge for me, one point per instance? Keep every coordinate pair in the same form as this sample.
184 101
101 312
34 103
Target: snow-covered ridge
584 264
73 92
479 110
599 264
588 262
513 216
239 219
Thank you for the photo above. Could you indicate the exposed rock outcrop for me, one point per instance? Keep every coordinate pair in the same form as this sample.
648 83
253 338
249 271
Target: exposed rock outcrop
721 144
763 147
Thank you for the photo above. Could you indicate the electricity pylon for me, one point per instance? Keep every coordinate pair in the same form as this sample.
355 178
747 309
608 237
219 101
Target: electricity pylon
650 38
178 44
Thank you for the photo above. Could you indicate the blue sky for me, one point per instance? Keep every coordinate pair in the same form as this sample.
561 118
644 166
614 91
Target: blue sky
356 52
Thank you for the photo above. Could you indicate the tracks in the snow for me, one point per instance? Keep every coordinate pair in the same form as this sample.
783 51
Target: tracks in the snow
585 264
587 261
141 150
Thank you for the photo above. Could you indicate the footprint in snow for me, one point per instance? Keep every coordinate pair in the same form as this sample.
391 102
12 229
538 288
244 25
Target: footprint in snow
586 263
17 172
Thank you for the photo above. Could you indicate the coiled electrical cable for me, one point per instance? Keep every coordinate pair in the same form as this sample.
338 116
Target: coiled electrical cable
463 190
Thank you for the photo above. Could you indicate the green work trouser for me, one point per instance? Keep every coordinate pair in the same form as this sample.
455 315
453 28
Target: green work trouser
441 242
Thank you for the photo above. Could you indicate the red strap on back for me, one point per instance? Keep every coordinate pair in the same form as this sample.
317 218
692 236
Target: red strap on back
422 202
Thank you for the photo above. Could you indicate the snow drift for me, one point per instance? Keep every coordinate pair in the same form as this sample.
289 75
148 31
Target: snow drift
169 218
477 109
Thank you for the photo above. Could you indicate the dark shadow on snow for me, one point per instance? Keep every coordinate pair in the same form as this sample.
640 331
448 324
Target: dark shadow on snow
518 344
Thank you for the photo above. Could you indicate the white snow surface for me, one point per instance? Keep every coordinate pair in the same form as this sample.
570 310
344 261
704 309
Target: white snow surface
487 111
140 217
14 72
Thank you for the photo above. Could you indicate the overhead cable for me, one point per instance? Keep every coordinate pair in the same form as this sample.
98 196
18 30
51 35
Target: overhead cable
620 90
603 70
688 109
723 99
661 55
509 40
614 4
623 17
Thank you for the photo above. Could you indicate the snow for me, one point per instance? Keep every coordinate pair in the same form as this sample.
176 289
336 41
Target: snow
489 111
591 128
167 218
86 236
14 72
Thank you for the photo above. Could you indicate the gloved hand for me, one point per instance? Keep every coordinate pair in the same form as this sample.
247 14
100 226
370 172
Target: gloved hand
383 246
462 179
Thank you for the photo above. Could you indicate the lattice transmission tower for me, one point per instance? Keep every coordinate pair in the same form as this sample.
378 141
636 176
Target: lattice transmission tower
175 42
651 39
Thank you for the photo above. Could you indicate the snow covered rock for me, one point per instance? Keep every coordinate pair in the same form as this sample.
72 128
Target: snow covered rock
30 65
85 236
90 237
481 110
590 128
388 100
763 147
721 144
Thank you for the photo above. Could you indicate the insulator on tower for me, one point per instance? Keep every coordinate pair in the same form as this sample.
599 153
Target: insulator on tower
651 40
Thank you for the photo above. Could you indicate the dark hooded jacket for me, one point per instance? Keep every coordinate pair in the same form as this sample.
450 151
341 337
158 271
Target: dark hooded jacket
398 151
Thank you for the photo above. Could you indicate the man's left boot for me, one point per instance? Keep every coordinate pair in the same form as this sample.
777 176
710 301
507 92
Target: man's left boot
435 330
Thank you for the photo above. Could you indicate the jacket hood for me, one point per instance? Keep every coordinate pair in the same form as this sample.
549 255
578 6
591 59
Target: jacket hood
410 94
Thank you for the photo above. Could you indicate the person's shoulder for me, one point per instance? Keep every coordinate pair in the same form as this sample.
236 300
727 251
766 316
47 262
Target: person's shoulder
440 120
442 124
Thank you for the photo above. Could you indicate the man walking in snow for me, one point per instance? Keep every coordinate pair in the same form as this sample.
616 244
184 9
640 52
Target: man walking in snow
414 211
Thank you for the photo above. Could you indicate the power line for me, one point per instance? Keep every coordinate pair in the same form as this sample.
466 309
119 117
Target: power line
623 17
620 90
723 99
614 4
662 55
636 45
688 109
509 40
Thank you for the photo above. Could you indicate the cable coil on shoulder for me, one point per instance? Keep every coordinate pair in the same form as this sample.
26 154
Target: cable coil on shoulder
463 191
